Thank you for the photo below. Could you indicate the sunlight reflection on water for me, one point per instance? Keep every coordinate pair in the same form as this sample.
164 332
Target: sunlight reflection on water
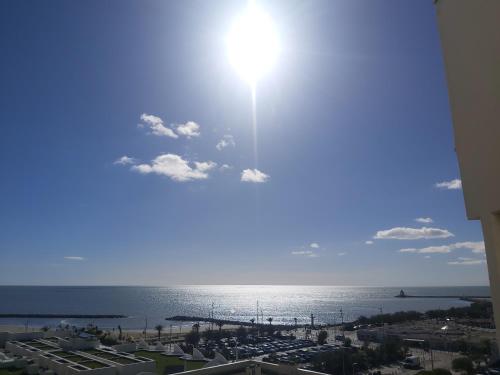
236 302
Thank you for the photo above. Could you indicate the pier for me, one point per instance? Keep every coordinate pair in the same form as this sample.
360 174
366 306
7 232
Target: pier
402 294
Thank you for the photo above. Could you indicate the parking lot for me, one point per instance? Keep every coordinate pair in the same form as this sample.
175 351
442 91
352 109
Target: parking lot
258 348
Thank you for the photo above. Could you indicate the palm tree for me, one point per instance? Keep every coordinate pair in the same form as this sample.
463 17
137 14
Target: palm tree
270 320
196 327
220 324
252 321
159 328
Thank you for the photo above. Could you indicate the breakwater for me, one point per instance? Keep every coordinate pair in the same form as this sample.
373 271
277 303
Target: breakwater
183 318
463 298
63 316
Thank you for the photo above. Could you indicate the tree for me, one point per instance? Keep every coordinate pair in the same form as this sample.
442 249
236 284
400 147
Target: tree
241 333
45 328
220 324
463 364
322 336
347 342
159 328
108 340
252 321
270 320
196 327
480 351
295 320
192 338
120 336
208 334
437 371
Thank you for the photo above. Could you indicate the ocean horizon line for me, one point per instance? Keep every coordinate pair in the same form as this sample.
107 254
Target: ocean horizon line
246 285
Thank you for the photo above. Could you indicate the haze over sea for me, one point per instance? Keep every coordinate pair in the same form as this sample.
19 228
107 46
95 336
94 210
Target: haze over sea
235 302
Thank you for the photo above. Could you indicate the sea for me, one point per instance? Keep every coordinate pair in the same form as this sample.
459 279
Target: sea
149 306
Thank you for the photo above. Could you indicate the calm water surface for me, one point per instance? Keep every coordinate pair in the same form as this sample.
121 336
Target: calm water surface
236 302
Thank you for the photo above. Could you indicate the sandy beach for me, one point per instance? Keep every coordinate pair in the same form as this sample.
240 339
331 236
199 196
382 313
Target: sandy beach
177 331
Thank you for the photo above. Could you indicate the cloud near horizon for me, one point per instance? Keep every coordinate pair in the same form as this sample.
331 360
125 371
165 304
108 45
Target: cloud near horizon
305 253
74 258
176 168
474 247
455 184
467 262
369 242
254 175
402 233
314 245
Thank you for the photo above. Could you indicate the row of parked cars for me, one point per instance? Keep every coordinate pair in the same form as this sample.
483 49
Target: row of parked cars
231 347
303 355
272 346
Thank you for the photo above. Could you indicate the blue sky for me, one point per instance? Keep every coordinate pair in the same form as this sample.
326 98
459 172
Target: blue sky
354 133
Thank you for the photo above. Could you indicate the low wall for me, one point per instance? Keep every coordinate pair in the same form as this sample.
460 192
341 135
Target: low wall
127 348
252 368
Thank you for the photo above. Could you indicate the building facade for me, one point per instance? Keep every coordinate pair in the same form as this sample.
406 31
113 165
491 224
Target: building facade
470 39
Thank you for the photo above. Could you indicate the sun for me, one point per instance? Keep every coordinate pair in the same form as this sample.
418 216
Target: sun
252 44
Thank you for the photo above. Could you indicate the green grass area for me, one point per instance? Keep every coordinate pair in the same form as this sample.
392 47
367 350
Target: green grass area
91 351
93 364
194 365
123 360
76 358
104 355
167 364
11 371
63 354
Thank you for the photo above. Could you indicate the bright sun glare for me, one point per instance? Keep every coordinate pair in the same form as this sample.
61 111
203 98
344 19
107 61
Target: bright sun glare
252 44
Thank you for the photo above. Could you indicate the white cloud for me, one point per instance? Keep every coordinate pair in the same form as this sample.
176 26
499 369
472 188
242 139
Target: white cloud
467 262
305 253
189 129
225 167
408 250
401 233
475 247
341 254
424 220
436 250
125 160
156 125
226 141
74 258
368 242
204 166
176 168
314 245
450 185
254 175
427 257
